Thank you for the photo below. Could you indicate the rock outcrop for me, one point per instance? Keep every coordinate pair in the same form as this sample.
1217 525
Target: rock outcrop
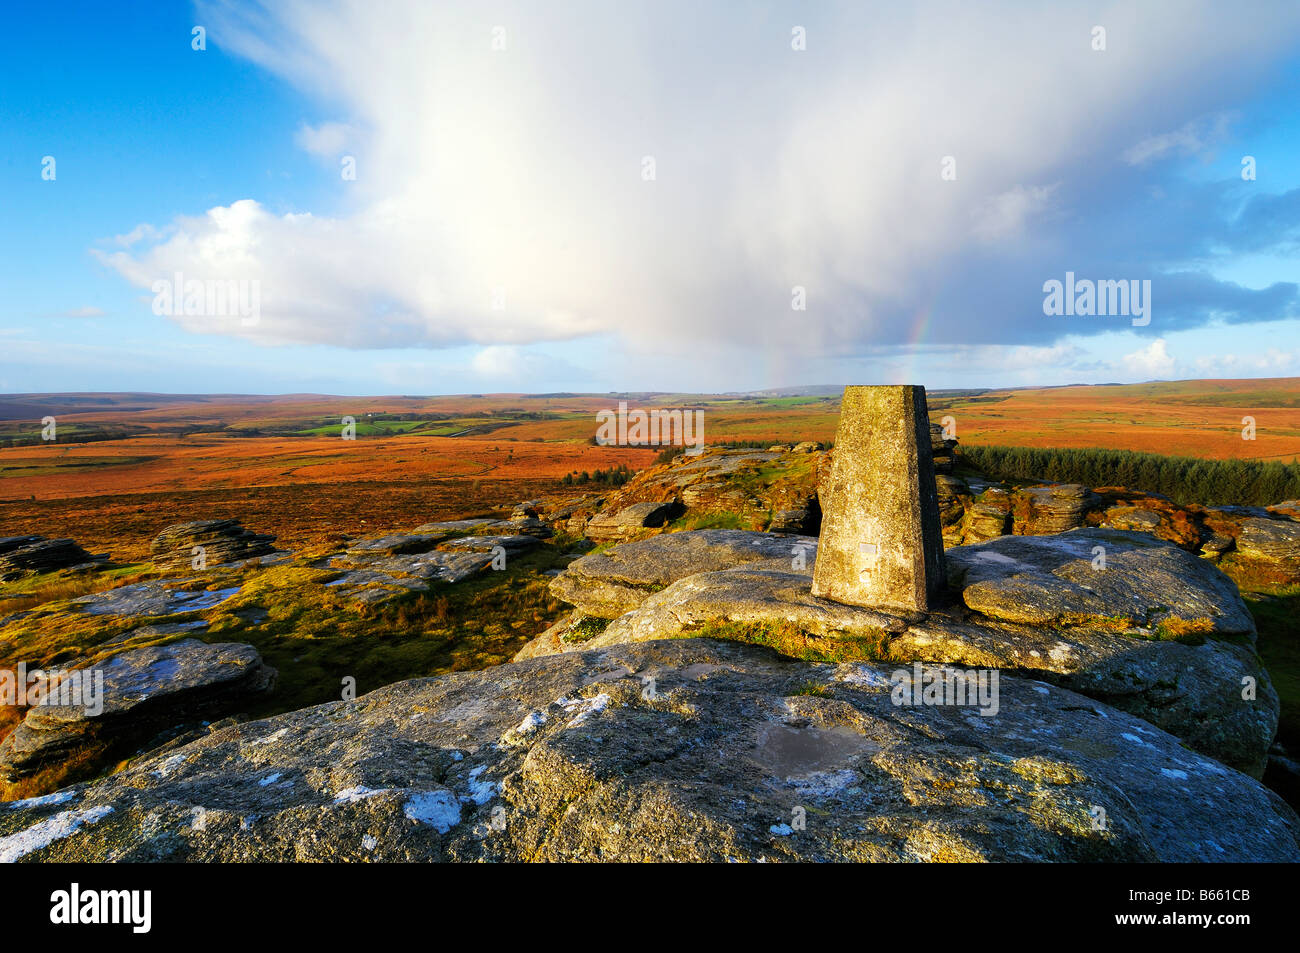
21 555
752 486
988 518
1271 541
1159 632
627 522
379 568
689 750
1093 576
144 693
610 583
779 489
210 542
1051 509
159 597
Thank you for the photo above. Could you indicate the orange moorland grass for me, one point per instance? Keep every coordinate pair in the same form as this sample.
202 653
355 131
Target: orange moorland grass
115 495
1186 418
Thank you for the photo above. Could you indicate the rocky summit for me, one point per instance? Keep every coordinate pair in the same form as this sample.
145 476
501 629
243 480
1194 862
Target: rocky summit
688 750
1153 629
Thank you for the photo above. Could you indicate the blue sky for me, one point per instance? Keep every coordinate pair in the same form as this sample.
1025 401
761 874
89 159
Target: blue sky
501 233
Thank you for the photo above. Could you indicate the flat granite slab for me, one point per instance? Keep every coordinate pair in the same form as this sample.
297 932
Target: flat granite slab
607 584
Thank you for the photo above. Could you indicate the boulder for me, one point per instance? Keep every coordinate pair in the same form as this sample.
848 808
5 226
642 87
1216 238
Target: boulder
1098 576
512 543
144 636
1214 547
1288 508
688 750
527 526
218 542
20 555
381 568
394 544
765 601
799 521
1132 518
145 692
1193 691
527 509
630 520
568 634
989 517
159 597
610 583
381 578
1271 540
1041 510
453 526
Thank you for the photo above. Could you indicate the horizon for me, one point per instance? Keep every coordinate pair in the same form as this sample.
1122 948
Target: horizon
586 200
827 389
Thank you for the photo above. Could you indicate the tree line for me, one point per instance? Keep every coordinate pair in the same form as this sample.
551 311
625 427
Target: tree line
614 476
1183 479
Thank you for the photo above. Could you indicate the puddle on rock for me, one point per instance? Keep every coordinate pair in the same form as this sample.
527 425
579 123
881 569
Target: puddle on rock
787 751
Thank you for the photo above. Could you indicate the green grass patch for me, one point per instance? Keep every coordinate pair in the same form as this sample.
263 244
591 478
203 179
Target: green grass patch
315 636
789 639
710 521
1275 615
584 630
312 634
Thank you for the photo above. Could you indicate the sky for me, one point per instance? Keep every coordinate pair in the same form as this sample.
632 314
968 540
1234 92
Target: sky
419 198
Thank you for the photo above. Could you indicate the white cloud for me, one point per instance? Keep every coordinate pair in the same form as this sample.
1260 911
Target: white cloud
1272 361
329 139
520 169
1151 362
1190 139
141 232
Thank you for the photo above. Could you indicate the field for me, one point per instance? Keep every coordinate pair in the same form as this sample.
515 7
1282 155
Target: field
1182 418
123 466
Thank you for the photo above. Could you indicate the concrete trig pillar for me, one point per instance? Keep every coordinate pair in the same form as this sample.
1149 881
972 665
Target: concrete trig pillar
881 542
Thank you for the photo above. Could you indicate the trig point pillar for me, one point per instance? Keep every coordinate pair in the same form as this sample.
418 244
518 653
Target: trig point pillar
881 542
